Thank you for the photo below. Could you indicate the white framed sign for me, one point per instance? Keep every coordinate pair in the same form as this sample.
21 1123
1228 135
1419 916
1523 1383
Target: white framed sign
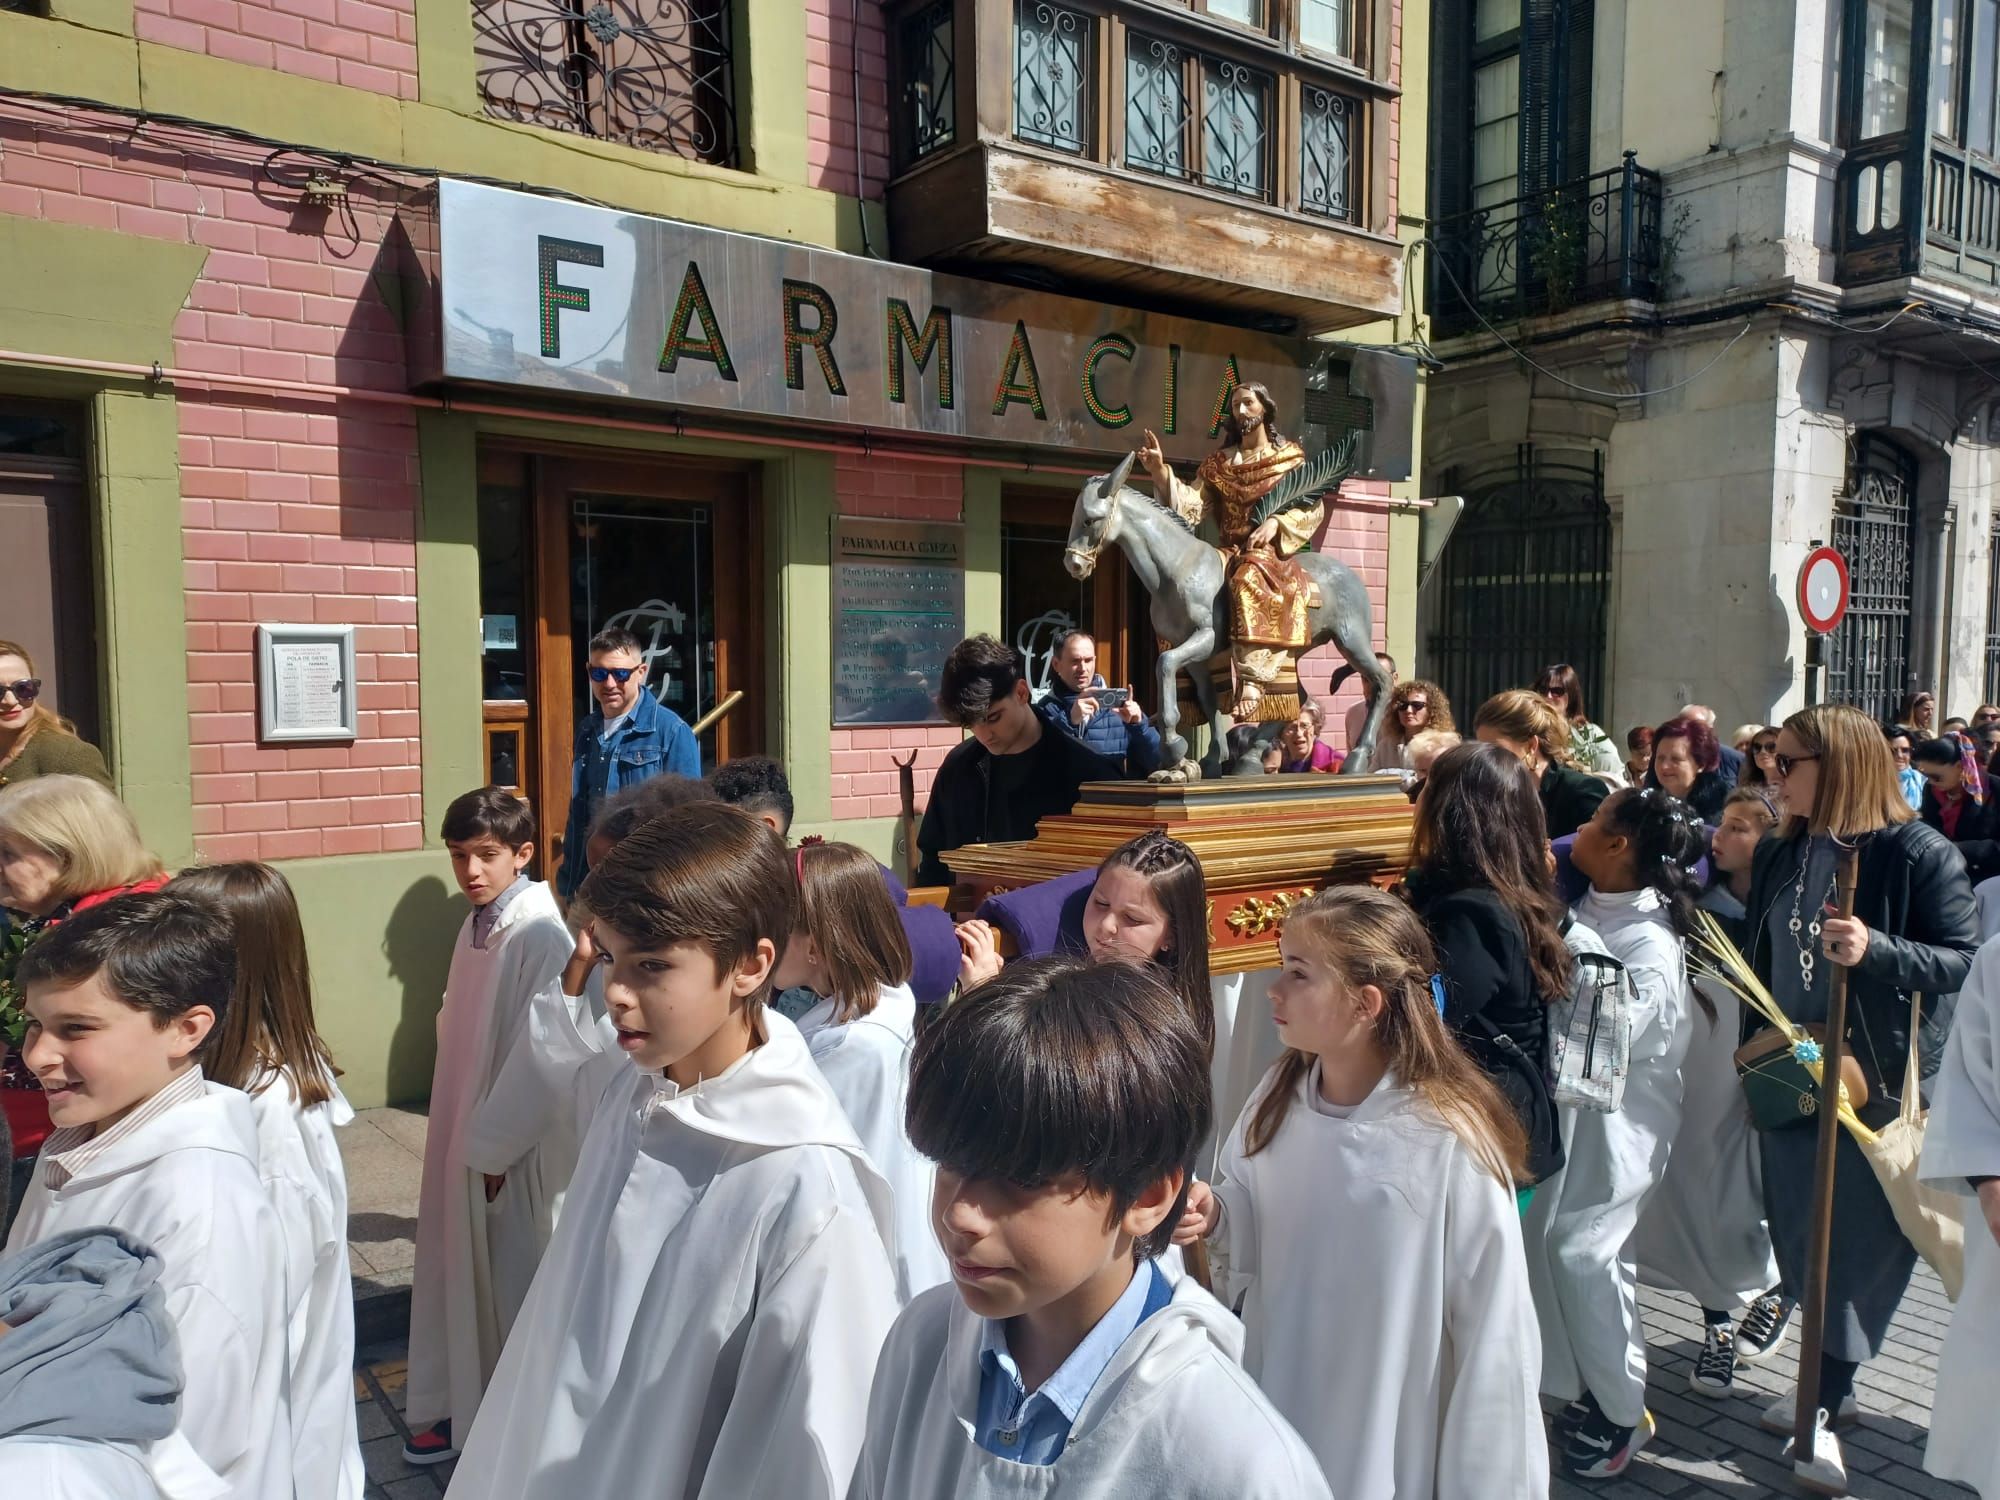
305 683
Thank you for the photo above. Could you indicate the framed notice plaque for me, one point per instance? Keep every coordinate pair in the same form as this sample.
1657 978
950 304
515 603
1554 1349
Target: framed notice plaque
305 683
898 609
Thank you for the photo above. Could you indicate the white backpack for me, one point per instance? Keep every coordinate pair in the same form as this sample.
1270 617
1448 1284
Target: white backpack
1590 1028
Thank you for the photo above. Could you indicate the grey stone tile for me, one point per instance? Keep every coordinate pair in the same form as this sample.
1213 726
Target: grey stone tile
405 1127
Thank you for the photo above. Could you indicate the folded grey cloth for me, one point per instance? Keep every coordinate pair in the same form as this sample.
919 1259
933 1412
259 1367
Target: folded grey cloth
90 1351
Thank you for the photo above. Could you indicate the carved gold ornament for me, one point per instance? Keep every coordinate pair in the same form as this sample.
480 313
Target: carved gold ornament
1259 915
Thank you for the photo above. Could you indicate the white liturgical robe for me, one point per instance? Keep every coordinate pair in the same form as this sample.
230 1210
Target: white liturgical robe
867 1063
707 1319
1387 1313
475 1260
1172 1414
1961 1141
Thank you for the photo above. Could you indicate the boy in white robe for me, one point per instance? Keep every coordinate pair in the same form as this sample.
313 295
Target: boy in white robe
120 999
481 1235
1962 1154
1064 1106
707 1319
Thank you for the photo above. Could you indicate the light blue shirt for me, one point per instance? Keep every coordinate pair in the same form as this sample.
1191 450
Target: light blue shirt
1912 781
1033 1427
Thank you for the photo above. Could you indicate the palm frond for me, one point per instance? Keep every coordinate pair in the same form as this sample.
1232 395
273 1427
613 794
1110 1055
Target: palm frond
1310 478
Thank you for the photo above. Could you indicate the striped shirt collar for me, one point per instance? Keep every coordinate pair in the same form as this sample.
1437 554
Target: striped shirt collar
70 1152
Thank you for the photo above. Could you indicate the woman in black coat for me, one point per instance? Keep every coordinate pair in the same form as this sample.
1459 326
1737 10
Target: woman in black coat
1481 877
1914 931
1959 803
1530 726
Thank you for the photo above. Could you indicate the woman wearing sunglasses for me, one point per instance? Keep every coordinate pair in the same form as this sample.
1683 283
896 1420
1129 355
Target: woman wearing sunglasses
1416 707
1959 801
33 740
1589 745
1913 931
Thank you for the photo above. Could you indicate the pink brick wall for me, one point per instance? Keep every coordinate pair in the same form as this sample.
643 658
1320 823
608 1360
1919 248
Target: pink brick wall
863 761
1359 536
364 44
830 139
292 509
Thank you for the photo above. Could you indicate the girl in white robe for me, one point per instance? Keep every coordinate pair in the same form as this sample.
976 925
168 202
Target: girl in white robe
267 1045
1961 1148
1366 1204
478 1242
1639 851
850 951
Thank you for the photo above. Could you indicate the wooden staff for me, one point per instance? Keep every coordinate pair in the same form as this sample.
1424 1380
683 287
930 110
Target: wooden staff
905 853
1812 1303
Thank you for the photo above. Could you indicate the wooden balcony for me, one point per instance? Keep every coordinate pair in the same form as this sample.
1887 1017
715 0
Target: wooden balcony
1144 151
1918 205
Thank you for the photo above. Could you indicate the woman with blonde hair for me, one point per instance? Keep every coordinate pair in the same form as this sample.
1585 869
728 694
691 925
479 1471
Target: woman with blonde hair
1534 729
1913 933
66 844
34 740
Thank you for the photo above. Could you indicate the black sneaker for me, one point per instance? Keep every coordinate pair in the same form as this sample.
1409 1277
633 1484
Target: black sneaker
430 1447
1715 1367
1571 1417
1762 1328
1601 1449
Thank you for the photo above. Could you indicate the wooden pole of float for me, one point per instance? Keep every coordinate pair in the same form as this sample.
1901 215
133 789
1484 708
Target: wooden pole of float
1812 1302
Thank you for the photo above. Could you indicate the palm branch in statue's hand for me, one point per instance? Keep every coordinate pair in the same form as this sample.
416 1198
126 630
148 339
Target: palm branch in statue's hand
1308 480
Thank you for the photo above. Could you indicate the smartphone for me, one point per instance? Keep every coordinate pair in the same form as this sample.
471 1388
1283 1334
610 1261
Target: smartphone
1109 697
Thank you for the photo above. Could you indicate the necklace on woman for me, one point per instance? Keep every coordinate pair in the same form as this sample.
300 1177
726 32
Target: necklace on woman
1808 945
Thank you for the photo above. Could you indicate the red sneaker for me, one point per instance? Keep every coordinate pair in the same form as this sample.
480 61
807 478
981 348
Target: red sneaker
432 1447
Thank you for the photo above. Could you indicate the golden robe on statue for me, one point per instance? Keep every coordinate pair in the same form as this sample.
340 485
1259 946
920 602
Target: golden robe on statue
1269 594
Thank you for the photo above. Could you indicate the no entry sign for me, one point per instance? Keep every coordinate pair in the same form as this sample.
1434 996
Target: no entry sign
1823 586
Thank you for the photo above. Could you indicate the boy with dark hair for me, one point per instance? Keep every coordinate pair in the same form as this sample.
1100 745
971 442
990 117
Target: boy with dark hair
120 999
709 1315
628 811
480 1236
1011 774
628 738
1064 1105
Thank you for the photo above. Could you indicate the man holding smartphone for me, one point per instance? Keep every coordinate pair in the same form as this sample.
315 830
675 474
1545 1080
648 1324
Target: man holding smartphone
1100 718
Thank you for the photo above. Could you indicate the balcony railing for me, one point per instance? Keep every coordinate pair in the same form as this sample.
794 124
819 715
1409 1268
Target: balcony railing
1962 215
1583 241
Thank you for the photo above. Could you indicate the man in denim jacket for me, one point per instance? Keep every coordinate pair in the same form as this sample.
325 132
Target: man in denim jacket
630 737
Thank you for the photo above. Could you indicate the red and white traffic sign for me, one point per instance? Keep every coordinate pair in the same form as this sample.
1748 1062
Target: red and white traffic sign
1823 588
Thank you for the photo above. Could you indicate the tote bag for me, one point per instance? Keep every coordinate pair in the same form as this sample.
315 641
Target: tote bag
1930 1218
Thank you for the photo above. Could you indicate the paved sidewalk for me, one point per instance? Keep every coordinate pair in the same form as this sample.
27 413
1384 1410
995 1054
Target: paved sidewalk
1707 1450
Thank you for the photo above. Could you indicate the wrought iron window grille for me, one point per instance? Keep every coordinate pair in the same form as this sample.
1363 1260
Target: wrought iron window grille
1526 578
1868 657
930 85
656 74
1993 613
1054 69
1327 124
1582 241
1218 135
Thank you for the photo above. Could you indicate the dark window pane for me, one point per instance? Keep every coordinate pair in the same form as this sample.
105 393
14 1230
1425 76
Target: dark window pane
929 90
1053 73
504 621
1885 69
503 764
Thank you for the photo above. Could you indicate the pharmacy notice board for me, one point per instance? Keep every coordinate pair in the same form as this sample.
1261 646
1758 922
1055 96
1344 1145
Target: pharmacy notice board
898 609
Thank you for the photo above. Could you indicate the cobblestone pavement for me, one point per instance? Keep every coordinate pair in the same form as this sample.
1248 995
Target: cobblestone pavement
1706 1450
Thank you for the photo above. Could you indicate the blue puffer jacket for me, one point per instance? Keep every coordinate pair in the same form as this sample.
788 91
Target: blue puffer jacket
1136 747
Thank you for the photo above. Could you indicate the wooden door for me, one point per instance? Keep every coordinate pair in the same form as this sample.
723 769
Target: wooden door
49 602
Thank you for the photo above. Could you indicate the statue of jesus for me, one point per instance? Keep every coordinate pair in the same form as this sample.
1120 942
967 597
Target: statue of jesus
1268 594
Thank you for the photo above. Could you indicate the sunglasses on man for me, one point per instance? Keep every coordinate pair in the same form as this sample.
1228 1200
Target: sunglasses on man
24 691
619 675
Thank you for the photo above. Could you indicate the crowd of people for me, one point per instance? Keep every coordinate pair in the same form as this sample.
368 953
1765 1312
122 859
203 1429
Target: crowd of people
747 1175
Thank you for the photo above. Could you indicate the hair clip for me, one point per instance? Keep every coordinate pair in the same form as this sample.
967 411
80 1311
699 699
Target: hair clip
812 841
1437 991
